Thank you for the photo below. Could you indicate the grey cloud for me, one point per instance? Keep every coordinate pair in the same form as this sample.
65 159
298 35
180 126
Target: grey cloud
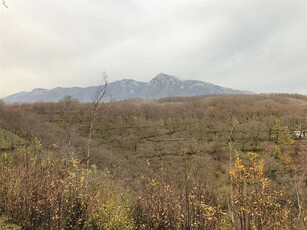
250 45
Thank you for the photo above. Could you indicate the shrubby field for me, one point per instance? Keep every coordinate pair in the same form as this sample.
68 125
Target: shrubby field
212 162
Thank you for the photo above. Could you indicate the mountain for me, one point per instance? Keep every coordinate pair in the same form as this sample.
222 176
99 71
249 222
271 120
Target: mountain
125 89
161 86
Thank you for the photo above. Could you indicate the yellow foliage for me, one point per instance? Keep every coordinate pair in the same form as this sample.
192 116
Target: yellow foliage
254 201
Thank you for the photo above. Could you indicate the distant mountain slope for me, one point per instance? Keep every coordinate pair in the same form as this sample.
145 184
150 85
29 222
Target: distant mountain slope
161 86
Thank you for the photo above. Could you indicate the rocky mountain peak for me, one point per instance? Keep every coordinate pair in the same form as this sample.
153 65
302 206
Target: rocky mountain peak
165 79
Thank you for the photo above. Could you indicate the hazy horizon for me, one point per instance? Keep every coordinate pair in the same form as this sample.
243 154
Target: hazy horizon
257 46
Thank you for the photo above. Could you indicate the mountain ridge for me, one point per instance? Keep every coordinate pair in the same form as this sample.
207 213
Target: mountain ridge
161 86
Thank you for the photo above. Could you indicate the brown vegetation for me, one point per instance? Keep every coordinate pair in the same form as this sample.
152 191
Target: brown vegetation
179 163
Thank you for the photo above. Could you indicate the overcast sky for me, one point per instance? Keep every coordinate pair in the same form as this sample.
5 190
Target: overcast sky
260 46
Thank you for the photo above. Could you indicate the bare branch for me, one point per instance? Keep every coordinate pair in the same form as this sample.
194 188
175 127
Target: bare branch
97 102
100 91
4 3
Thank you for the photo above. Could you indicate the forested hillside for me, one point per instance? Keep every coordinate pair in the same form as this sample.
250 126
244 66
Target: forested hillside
211 162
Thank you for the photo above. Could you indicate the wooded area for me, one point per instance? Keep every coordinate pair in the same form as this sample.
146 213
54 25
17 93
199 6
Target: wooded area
211 162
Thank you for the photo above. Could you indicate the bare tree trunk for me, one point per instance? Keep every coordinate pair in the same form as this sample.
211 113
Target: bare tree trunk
299 205
187 201
97 102
298 197
231 144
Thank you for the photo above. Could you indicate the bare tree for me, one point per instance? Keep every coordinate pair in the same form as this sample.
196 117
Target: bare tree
231 144
96 105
